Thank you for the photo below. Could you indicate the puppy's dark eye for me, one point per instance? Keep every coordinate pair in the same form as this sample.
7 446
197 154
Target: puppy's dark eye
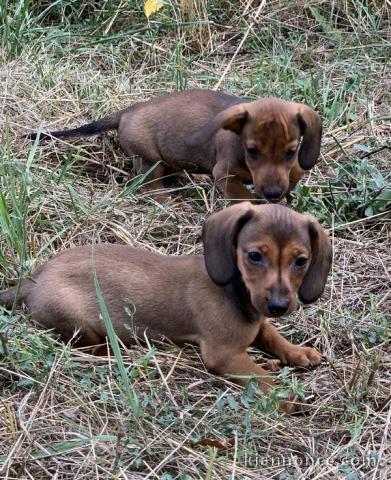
253 152
255 257
301 262
290 154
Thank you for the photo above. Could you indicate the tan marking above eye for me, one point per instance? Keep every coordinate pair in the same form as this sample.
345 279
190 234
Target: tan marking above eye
264 248
292 253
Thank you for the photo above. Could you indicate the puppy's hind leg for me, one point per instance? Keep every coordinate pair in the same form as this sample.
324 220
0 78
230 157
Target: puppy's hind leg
153 184
148 161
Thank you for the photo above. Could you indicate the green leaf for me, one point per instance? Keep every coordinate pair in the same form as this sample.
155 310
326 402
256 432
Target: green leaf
369 211
362 148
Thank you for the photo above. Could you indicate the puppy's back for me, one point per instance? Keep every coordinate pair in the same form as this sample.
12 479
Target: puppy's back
137 287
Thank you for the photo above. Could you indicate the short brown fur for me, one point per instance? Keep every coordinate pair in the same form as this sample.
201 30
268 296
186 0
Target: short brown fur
219 301
237 141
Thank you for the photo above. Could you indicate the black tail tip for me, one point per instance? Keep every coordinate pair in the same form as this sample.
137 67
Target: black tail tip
30 136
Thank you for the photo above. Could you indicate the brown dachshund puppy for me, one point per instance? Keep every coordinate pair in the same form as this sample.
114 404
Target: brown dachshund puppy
257 259
267 142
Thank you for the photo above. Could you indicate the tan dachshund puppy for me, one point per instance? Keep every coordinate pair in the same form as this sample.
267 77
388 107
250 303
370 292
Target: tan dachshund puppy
267 142
256 260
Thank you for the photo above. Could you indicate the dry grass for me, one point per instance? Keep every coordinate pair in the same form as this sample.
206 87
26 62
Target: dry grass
63 413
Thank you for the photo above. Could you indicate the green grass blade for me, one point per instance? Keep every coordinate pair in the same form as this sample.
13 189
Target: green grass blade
131 395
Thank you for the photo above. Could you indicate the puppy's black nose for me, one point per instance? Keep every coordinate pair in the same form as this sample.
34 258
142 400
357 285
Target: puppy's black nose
272 193
277 307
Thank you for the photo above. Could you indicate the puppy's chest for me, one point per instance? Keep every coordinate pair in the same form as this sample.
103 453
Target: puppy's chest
238 334
253 331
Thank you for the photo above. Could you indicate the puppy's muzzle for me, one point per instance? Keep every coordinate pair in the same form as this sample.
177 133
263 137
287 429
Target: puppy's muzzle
277 306
273 194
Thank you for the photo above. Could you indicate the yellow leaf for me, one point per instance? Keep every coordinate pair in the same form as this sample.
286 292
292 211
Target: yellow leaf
152 6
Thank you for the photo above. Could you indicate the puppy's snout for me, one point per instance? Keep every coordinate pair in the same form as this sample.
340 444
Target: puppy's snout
277 306
273 193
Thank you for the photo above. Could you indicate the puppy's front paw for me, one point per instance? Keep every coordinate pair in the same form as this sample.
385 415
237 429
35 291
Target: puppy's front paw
301 356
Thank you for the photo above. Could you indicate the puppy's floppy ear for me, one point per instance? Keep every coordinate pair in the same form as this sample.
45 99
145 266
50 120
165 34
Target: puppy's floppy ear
219 237
232 118
311 130
321 256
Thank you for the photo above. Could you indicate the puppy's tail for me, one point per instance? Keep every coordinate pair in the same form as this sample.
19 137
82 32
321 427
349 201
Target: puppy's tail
7 297
107 123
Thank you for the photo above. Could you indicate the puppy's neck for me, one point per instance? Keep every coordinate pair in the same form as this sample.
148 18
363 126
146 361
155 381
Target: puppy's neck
240 296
